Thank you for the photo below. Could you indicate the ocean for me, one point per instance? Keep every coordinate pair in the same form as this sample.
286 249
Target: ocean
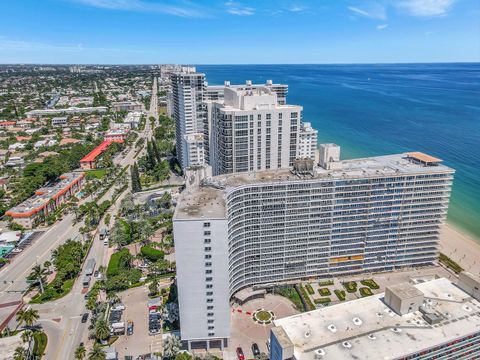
384 109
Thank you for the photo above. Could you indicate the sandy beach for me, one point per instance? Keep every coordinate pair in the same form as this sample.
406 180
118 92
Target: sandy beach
461 247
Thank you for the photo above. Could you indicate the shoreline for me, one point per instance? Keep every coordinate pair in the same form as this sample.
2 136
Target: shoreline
461 246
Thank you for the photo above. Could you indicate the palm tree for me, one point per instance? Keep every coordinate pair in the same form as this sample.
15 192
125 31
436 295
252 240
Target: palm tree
101 330
96 353
47 265
20 354
37 272
80 352
27 336
29 317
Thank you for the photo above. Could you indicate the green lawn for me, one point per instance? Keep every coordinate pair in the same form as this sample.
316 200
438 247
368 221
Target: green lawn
50 294
96 174
291 294
445 260
263 315
41 341
350 286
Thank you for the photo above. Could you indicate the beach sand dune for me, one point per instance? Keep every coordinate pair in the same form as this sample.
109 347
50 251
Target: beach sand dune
461 247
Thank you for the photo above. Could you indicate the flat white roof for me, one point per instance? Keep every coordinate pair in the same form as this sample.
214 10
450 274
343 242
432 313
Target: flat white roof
366 328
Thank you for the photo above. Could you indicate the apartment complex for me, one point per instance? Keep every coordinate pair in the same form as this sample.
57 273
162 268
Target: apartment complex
307 142
197 109
431 320
89 161
46 200
260 228
187 92
250 131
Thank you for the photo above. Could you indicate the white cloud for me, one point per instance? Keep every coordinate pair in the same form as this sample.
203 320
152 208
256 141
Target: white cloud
426 7
374 11
236 8
32 46
382 26
297 8
188 10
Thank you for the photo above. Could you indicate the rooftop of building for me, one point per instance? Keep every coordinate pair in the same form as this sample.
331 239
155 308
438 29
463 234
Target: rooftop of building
372 167
368 329
43 195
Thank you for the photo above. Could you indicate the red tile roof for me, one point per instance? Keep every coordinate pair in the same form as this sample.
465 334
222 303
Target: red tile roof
98 150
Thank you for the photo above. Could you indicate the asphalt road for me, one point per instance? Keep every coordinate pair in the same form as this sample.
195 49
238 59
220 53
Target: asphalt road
61 319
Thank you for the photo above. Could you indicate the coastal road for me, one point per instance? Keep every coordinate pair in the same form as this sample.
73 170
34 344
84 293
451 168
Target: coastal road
61 319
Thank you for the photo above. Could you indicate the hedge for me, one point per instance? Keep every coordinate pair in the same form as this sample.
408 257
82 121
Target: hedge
151 254
445 260
309 289
365 291
114 263
340 294
370 283
324 292
325 300
325 283
351 286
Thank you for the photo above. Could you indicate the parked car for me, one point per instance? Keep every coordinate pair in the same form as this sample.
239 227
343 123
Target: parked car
240 354
84 318
118 307
129 327
255 349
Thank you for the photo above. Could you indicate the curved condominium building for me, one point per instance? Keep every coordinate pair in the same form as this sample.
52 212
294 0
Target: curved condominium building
261 228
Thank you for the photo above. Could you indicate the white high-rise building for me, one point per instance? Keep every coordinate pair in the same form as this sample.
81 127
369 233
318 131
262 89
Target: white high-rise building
190 103
307 141
234 231
251 131
187 94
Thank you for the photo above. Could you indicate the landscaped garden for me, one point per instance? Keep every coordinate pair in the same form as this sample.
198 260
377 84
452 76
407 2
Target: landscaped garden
324 292
365 291
370 283
341 295
350 286
263 316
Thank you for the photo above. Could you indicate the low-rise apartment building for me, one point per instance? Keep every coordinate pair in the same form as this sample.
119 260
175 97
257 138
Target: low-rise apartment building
46 200
440 321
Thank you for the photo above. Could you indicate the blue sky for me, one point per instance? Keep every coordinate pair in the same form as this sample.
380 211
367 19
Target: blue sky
239 32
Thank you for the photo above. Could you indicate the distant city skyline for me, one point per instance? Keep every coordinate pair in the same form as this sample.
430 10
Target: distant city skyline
239 32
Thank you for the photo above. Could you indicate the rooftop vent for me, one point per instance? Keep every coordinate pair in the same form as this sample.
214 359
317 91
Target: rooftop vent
467 308
396 330
332 328
320 352
379 315
371 336
347 345
357 321
308 333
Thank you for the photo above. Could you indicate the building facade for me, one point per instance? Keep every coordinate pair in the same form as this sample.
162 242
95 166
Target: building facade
250 131
46 200
362 215
307 142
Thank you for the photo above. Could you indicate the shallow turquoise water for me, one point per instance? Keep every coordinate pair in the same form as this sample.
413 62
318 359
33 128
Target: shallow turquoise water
381 109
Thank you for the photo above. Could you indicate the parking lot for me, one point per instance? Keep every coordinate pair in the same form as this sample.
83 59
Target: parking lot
136 309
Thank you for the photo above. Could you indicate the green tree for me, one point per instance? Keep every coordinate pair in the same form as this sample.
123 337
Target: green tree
155 151
80 352
136 184
38 273
96 353
21 354
29 317
171 346
102 331
153 287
